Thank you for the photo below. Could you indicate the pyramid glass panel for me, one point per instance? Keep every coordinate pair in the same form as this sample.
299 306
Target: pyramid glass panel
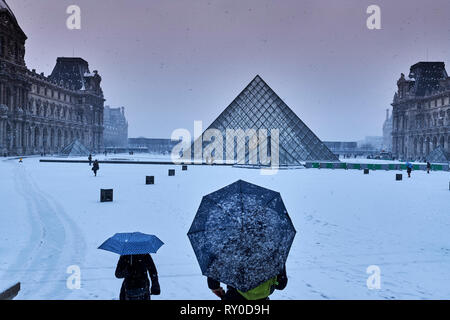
75 149
259 108
439 155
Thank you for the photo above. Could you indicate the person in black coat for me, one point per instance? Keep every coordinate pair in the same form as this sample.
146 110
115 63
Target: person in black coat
134 269
95 167
233 295
90 159
428 167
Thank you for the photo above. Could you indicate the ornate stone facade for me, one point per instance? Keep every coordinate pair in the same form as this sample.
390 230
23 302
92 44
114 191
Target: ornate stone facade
387 133
115 125
421 112
40 114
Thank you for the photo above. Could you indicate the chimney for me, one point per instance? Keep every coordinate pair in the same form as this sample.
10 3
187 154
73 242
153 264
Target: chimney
387 114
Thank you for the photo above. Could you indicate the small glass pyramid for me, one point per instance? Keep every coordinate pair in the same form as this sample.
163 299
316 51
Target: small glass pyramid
75 149
438 155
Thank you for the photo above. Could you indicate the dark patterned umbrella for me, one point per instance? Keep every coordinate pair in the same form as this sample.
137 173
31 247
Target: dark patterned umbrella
242 235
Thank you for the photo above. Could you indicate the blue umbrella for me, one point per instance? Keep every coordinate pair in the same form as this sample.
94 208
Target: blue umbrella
132 243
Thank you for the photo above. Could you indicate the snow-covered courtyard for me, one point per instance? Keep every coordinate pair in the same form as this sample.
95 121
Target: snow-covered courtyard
51 218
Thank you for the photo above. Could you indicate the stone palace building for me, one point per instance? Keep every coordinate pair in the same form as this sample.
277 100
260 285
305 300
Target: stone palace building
40 114
387 133
115 125
421 112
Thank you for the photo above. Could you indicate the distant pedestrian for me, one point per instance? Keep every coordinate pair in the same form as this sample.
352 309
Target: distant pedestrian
95 167
428 167
90 159
20 160
409 167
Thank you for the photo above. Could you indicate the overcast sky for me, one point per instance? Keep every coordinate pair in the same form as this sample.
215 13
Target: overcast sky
172 62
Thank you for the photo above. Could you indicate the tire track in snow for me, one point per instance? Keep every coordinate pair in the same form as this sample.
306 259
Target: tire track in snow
45 256
34 242
74 246
60 243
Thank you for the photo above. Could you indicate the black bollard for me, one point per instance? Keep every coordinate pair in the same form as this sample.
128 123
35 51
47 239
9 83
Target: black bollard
106 195
171 172
398 177
149 180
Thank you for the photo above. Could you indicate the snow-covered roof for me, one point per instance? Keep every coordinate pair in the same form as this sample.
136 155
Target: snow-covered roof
4 6
72 71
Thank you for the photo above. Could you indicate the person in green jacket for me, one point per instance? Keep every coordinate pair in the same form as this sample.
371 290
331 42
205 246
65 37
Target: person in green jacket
262 292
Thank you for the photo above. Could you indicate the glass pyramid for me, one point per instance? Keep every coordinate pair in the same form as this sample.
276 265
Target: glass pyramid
438 155
75 149
259 108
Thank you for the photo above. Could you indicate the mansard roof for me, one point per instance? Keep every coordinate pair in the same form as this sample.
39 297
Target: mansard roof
4 7
70 71
428 76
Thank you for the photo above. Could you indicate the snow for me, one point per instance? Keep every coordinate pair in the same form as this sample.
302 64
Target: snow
51 218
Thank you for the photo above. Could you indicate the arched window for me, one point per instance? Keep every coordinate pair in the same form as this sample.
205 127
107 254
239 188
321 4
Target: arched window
16 51
36 137
8 97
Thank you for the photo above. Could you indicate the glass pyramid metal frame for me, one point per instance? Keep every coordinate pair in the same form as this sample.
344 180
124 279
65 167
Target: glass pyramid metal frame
74 149
259 108
438 155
